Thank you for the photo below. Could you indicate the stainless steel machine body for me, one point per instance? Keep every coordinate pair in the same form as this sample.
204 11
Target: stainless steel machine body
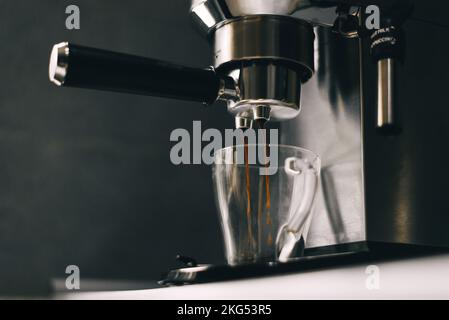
376 187
379 129
364 119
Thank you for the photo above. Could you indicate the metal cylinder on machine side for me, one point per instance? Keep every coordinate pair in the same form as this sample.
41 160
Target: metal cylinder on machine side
385 94
386 48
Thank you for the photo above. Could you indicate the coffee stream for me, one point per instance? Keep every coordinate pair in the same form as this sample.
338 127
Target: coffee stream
264 183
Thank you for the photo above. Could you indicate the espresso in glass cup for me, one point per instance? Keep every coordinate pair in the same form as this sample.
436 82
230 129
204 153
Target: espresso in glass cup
265 207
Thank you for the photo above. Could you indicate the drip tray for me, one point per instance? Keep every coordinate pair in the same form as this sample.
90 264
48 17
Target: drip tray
212 273
316 259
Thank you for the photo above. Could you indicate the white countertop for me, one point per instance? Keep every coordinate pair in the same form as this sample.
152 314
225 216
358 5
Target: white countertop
417 278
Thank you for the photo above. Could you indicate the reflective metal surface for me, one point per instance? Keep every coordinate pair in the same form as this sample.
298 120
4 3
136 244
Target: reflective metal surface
268 53
330 125
243 122
267 91
284 39
247 7
373 188
388 189
57 70
267 65
407 175
385 93
208 13
229 90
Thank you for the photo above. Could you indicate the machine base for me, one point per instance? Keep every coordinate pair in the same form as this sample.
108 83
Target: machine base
315 259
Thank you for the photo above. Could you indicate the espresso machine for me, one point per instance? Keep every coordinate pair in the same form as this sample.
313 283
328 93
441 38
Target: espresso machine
338 87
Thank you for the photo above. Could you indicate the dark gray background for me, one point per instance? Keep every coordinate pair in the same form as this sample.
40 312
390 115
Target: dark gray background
85 176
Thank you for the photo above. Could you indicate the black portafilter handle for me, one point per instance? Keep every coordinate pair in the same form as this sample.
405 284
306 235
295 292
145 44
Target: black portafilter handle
82 67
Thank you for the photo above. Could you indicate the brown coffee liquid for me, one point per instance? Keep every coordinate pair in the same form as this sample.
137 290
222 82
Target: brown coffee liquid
248 195
264 183
268 221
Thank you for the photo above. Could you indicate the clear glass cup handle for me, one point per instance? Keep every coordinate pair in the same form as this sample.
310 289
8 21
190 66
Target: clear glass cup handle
299 209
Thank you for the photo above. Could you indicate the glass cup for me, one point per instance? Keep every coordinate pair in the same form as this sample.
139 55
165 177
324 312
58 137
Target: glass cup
265 206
